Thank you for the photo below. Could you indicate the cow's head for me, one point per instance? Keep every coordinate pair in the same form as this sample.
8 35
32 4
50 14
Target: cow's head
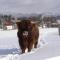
25 24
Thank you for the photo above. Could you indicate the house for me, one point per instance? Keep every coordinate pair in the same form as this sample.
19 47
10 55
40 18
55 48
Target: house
8 25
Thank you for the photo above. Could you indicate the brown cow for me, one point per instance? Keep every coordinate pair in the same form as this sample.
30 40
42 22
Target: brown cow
28 34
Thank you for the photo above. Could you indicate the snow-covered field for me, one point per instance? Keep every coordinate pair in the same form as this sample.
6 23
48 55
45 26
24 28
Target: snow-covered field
49 46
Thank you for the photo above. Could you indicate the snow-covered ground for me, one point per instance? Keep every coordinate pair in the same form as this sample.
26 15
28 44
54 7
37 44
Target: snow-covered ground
49 41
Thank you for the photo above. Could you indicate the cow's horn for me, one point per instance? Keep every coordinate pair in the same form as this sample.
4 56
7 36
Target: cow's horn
33 22
18 20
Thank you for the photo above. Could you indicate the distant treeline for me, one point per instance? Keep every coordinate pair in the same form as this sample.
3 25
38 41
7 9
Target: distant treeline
41 19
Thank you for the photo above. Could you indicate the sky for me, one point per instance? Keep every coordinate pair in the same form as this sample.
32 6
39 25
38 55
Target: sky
30 6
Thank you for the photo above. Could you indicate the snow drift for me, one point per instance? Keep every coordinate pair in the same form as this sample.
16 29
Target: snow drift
49 43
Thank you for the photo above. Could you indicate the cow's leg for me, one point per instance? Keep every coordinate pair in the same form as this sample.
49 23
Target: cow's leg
35 45
30 46
23 50
21 46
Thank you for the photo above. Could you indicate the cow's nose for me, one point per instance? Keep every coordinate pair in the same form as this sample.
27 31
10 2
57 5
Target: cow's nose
25 33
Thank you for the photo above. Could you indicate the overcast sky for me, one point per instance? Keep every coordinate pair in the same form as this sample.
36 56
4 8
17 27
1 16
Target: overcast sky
29 6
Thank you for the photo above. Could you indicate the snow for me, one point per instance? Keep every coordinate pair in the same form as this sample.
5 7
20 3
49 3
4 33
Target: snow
54 58
8 39
49 42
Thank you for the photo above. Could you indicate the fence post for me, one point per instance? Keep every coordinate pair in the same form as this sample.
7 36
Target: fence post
59 28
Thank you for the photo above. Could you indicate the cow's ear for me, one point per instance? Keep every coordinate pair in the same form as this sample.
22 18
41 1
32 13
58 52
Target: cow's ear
18 23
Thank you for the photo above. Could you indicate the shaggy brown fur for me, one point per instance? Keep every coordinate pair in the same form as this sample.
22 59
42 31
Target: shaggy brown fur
28 34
